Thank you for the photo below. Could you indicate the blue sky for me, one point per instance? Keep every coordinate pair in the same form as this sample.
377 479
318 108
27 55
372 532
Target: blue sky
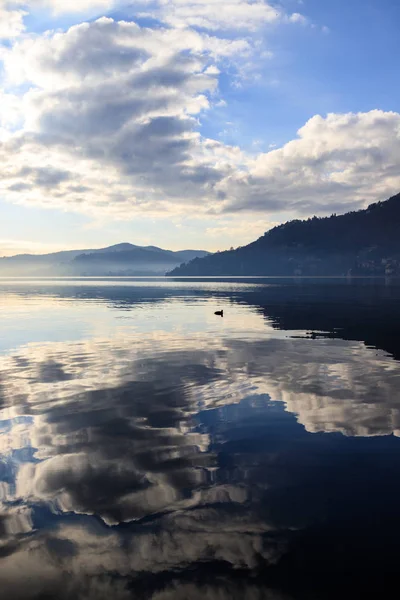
192 123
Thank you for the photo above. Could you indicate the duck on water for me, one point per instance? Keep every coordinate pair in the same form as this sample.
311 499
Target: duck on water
219 313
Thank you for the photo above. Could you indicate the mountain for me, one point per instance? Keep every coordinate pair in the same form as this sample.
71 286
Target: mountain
364 242
121 259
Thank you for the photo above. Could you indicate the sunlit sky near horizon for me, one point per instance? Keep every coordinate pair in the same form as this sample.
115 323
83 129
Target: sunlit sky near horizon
192 123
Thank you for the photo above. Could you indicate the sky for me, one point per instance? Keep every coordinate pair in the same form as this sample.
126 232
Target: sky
192 123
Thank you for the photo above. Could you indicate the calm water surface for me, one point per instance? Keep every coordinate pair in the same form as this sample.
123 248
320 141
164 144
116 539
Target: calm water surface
152 450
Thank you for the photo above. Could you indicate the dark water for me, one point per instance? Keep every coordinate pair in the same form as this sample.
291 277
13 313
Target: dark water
150 449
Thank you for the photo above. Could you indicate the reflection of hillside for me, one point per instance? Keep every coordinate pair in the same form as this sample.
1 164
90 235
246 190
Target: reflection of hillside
365 310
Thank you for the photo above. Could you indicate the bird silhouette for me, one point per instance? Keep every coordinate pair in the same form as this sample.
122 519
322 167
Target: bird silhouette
219 313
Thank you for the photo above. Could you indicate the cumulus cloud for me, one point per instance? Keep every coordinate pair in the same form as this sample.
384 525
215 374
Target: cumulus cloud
13 11
109 124
215 15
337 161
141 142
115 107
244 15
11 19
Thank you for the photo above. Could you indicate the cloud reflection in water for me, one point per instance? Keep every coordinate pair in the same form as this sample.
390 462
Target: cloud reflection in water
132 454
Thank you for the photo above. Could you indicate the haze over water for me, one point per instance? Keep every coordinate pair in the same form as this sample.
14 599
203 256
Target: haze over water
150 449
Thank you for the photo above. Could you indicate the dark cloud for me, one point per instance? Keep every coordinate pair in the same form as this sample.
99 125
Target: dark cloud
49 177
19 187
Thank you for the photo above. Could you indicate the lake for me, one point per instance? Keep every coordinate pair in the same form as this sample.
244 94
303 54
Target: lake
153 450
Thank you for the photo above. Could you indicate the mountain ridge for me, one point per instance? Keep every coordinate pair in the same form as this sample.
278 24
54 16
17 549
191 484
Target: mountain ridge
119 259
364 242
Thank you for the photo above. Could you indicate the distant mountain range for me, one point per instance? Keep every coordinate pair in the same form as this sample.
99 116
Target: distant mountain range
365 242
121 259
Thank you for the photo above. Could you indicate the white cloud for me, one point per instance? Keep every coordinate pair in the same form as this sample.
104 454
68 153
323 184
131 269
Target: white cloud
338 161
215 15
109 126
11 20
112 109
75 6
90 52
11 114
298 18
212 15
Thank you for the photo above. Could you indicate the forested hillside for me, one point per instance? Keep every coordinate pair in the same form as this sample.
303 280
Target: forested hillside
365 242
